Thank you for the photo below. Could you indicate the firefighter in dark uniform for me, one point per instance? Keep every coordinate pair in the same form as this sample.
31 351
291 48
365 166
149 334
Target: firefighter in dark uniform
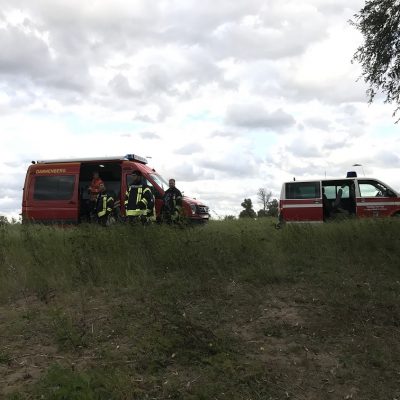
104 205
139 201
172 203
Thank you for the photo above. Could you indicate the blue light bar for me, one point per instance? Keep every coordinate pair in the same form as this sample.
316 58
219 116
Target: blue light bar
135 157
351 174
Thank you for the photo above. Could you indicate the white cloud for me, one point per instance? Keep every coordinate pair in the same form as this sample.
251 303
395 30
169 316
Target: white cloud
256 116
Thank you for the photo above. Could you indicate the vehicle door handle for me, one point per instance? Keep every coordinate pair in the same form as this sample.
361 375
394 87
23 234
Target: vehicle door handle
71 202
317 202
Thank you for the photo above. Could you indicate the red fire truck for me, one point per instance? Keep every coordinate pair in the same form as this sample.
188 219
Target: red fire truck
329 199
56 191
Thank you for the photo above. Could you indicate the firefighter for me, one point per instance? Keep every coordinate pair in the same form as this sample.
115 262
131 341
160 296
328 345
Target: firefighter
139 200
94 188
104 205
172 203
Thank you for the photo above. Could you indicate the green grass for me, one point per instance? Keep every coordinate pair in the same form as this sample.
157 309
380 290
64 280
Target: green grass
229 310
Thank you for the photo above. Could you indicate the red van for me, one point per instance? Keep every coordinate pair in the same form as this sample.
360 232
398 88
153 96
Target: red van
329 199
56 191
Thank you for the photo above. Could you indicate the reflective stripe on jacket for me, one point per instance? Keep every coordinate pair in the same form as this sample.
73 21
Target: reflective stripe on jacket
139 200
104 205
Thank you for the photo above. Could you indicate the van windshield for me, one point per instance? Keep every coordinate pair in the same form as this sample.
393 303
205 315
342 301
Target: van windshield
160 181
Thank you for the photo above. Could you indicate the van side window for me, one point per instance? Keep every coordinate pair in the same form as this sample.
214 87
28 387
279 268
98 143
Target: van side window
54 187
331 191
303 190
369 188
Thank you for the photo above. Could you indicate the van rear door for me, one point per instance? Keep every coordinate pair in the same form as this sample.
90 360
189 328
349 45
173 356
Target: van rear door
53 194
302 202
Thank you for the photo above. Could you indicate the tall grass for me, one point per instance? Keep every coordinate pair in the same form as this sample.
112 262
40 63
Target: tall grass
231 309
38 258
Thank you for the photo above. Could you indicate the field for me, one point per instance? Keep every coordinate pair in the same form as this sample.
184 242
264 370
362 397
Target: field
230 310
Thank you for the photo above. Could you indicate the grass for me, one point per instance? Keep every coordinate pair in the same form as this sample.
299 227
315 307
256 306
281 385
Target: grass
230 310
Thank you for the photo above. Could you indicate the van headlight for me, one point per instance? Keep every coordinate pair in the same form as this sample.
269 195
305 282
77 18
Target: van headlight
193 208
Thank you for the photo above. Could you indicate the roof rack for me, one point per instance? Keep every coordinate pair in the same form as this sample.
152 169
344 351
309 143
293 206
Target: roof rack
129 157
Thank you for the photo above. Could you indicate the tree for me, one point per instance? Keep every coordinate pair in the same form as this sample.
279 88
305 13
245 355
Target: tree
379 55
270 207
273 208
264 197
248 211
262 213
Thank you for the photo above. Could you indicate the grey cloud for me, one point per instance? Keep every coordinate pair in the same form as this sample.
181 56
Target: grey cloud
15 164
386 158
194 68
11 193
319 123
302 172
270 40
300 148
188 172
121 87
161 110
14 194
335 144
157 79
224 134
231 167
256 116
189 148
25 59
81 37
338 6
329 92
351 120
22 53
149 135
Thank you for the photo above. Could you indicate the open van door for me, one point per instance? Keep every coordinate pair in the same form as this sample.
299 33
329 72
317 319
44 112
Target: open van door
302 202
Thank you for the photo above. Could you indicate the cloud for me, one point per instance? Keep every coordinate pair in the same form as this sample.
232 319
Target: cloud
275 32
224 134
120 86
386 158
319 123
149 135
188 172
335 144
189 148
256 116
27 61
232 166
301 148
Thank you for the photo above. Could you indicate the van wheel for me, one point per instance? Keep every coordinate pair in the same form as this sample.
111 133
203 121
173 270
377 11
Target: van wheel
397 215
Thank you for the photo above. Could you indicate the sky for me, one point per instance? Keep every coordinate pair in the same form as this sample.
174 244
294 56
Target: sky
224 96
